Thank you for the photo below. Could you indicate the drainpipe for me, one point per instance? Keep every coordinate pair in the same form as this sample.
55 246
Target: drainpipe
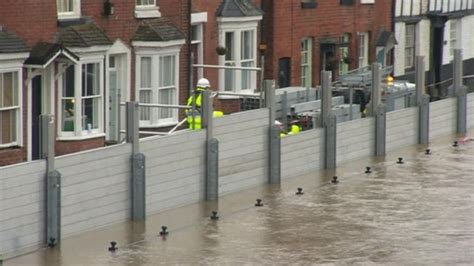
190 82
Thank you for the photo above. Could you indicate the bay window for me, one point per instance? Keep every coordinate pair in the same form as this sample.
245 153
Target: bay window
158 84
81 98
10 110
241 51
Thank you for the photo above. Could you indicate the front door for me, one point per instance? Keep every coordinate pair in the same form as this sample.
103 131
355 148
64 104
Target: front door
328 57
115 87
284 72
35 117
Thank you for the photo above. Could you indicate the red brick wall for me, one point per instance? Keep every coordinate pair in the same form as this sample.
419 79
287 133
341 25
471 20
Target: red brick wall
66 147
12 156
31 20
286 23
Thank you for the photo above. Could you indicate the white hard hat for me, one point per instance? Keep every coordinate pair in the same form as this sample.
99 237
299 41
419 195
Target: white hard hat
203 83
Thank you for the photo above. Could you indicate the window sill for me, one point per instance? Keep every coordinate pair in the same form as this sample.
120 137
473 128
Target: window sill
75 138
13 145
68 17
147 13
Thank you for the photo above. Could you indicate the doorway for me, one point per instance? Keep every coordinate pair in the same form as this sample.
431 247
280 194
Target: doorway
328 57
284 72
36 108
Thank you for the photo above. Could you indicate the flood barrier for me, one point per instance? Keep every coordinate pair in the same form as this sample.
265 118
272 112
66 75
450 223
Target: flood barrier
96 184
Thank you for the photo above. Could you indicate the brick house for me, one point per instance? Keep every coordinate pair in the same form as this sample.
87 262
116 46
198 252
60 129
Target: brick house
234 26
305 37
78 59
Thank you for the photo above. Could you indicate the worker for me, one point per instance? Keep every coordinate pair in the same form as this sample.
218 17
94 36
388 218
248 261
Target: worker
194 118
196 99
295 127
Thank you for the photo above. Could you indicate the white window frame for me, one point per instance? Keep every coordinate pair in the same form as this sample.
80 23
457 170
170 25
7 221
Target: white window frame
147 11
454 36
306 68
172 50
237 26
74 14
344 53
410 50
19 107
79 132
199 41
363 49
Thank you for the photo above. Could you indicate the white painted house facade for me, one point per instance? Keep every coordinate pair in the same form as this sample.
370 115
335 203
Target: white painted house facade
433 28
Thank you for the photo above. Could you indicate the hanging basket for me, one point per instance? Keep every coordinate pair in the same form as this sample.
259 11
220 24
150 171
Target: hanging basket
221 50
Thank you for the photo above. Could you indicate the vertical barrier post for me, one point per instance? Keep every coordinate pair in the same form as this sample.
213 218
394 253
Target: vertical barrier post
262 82
460 91
284 109
53 183
422 101
378 110
212 148
329 121
138 164
274 147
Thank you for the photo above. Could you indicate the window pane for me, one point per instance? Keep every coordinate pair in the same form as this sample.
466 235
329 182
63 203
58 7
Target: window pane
68 115
166 96
90 79
229 44
65 6
229 78
68 82
90 114
145 97
195 32
8 126
247 45
145 2
167 71
246 76
145 72
8 90
112 62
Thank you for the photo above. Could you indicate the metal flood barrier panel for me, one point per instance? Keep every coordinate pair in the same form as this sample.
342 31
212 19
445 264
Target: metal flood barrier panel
470 110
355 139
443 117
243 149
175 169
402 128
300 154
22 206
95 188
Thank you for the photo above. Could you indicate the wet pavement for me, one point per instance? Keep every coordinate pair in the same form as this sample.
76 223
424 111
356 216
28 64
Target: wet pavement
419 212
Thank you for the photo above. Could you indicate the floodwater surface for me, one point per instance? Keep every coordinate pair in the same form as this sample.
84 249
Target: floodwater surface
419 212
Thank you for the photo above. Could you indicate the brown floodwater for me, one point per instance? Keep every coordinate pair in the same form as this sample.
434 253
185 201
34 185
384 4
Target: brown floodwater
419 212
